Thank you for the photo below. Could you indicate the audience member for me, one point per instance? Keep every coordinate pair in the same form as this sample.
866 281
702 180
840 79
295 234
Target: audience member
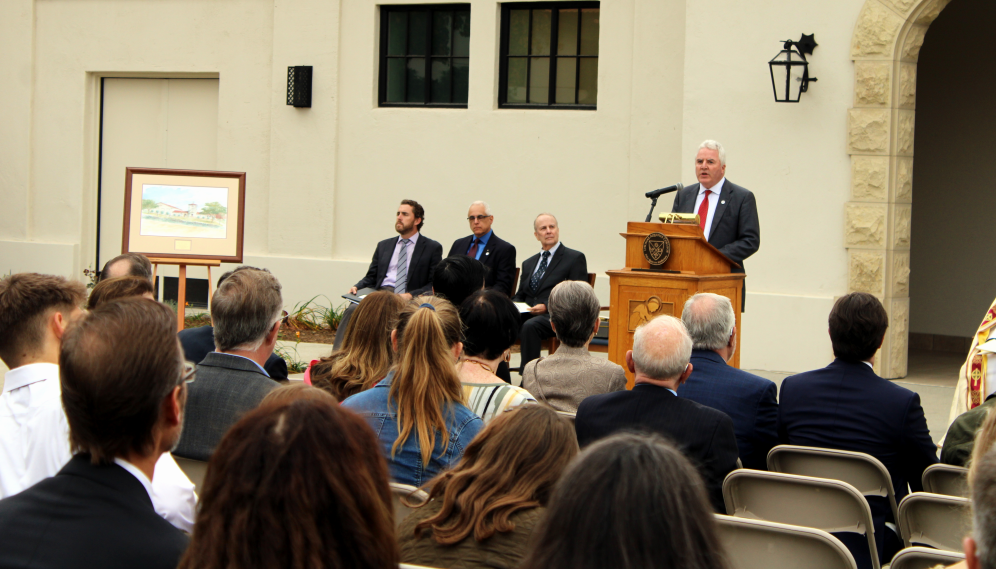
123 389
231 381
417 411
659 360
631 501
297 484
119 287
980 546
961 436
492 324
199 342
494 252
554 264
566 377
458 277
294 391
366 354
481 513
127 265
985 438
35 312
847 406
750 400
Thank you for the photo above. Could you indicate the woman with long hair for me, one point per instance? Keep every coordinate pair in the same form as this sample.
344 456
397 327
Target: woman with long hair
297 484
482 512
492 324
630 501
366 353
418 410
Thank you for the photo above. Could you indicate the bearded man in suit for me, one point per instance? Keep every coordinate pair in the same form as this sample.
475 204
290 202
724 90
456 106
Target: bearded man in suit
493 252
727 212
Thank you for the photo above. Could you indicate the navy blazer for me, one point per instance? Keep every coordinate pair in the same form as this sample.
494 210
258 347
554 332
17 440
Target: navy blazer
425 257
751 401
87 516
704 435
566 265
847 406
199 342
498 256
735 228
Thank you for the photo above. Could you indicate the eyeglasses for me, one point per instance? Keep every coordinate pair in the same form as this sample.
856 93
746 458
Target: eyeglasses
189 372
478 217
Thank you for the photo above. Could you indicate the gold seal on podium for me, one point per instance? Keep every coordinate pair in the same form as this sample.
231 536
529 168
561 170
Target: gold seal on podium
656 249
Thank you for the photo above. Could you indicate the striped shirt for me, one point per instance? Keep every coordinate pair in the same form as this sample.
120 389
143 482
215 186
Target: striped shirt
487 400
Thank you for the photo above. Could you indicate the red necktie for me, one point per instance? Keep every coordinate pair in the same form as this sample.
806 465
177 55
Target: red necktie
473 249
704 210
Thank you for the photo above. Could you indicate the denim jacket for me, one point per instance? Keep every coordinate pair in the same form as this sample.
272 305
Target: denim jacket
406 466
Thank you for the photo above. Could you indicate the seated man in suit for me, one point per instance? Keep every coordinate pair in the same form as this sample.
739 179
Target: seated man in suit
127 265
231 381
659 358
727 212
751 401
123 389
35 313
495 253
402 264
199 342
554 264
847 406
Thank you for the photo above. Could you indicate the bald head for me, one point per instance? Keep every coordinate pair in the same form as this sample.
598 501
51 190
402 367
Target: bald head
661 349
709 319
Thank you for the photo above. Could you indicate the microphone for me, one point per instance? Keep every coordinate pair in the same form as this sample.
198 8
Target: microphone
662 191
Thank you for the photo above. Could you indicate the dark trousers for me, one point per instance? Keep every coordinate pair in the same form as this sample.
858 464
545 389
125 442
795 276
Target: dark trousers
535 329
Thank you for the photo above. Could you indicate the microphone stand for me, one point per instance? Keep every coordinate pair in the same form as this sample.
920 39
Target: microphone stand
653 204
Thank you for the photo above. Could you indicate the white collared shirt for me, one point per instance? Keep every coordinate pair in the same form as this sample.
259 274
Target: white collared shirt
391 278
34 444
137 474
713 201
553 251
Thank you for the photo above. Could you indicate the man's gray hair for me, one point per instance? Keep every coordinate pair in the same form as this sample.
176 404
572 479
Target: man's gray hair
535 219
713 145
662 348
573 310
709 319
244 309
984 509
487 208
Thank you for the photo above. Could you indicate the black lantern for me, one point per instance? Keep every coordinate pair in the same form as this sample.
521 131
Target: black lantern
790 70
299 86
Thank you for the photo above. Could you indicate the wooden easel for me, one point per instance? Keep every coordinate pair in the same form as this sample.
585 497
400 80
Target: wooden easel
181 290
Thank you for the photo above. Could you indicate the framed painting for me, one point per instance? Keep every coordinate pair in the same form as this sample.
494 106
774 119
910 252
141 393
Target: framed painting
184 214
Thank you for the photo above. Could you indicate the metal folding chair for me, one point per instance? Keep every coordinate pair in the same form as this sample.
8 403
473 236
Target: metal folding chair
757 544
935 520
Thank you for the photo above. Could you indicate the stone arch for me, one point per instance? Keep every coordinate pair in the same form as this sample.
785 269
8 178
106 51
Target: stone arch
880 125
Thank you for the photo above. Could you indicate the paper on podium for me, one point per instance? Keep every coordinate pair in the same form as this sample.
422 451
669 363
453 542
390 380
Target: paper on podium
522 306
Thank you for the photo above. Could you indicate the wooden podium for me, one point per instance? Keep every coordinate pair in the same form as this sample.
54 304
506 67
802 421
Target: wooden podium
638 296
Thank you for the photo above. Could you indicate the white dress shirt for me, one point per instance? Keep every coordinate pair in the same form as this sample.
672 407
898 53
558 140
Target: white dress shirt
34 444
391 278
553 251
713 202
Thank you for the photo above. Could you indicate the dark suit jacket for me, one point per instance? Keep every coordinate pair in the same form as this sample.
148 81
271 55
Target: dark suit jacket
704 435
565 265
498 257
87 516
751 401
735 229
425 257
199 342
225 388
847 406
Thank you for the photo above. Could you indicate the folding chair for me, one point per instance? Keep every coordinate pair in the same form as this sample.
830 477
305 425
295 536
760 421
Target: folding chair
400 492
828 505
946 479
194 469
757 544
935 520
863 471
924 558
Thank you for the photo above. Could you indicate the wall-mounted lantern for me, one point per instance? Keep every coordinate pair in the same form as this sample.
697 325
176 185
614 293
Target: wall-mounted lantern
790 70
299 86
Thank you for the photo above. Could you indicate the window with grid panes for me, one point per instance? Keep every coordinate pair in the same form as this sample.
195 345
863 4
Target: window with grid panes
549 55
424 55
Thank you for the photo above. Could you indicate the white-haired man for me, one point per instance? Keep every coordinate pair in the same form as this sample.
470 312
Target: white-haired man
727 212
492 251
659 360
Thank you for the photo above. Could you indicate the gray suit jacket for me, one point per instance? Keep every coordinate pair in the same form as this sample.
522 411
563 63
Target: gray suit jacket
735 229
569 375
225 388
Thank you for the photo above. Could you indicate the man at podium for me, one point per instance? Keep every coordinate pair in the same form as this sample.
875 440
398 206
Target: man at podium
727 212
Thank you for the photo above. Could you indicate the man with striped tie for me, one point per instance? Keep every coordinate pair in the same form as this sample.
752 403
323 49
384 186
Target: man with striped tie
401 264
554 264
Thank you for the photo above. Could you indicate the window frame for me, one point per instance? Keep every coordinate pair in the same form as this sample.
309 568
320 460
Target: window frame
503 56
385 10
